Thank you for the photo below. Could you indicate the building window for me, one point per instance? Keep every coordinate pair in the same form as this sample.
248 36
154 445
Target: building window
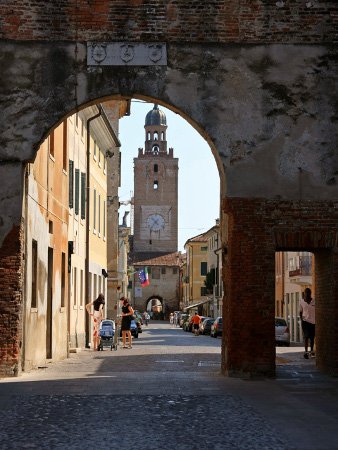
104 219
163 136
52 144
204 268
155 168
155 273
34 273
155 136
63 279
155 184
203 291
99 214
71 183
83 195
95 149
65 145
94 210
204 249
175 270
156 149
75 286
77 191
163 271
81 288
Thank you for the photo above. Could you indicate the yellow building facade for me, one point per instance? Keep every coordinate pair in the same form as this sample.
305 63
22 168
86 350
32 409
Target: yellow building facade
195 295
46 249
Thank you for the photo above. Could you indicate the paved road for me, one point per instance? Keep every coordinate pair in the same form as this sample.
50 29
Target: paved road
167 393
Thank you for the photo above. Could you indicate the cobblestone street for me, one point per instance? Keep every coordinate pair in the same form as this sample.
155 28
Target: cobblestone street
167 392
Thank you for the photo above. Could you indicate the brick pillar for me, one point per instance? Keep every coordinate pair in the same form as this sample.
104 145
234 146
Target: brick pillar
249 303
326 297
11 269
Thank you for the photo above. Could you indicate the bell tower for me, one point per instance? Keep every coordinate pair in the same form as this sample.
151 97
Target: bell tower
155 189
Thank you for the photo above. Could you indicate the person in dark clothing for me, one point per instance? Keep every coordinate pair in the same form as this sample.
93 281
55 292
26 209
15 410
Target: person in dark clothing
127 314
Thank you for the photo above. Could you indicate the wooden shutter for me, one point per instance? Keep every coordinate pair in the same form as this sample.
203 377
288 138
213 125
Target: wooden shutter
83 195
71 183
77 190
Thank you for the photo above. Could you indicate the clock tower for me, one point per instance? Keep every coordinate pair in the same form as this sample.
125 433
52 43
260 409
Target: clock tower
155 189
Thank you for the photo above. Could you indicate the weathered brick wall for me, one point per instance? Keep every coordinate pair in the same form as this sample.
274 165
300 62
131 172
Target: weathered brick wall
245 21
10 302
326 294
256 229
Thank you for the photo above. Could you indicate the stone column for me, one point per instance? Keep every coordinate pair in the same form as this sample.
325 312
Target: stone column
11 267
248 306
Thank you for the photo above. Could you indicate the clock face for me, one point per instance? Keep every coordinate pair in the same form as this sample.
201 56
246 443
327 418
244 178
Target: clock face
155 222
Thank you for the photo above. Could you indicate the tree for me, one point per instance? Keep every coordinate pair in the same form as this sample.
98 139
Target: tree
209 281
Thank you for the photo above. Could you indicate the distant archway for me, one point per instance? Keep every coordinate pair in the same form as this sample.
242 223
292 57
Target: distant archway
155 307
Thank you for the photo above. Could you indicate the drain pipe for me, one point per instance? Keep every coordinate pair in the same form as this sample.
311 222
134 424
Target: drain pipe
87 217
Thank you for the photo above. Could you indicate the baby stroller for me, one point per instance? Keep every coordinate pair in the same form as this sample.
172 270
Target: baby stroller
107 333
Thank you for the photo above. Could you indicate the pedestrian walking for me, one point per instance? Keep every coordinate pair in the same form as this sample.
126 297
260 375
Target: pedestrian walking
196 320
308 317
171 318
175 320
97 315
127 315
146 318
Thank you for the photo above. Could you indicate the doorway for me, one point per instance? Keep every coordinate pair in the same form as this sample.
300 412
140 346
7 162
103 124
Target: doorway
49 313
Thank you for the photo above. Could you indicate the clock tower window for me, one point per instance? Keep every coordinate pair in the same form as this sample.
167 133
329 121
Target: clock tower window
155 184
155 168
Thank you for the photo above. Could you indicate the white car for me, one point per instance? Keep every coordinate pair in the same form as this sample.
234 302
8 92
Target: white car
282 332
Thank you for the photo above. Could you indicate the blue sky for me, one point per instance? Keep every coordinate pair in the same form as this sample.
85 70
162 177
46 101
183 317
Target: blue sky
198 185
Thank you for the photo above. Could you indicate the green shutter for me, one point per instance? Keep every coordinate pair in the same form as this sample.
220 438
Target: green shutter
83 195
71 183
77 190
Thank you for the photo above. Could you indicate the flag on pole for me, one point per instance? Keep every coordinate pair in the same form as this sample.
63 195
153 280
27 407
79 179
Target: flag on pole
143 276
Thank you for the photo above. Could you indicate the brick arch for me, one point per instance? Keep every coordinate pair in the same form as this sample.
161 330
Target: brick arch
322 241
265 109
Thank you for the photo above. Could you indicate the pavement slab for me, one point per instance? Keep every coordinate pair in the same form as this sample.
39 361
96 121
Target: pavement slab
167 392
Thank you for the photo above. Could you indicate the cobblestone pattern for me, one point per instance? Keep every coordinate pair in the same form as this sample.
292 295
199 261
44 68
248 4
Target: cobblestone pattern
143 422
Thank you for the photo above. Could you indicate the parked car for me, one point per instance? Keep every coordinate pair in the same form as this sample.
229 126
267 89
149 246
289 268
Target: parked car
282 332
138 316
182 319
134 328
217 328
205 325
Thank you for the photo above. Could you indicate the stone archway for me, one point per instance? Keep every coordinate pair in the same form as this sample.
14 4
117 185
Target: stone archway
267 114
157 307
